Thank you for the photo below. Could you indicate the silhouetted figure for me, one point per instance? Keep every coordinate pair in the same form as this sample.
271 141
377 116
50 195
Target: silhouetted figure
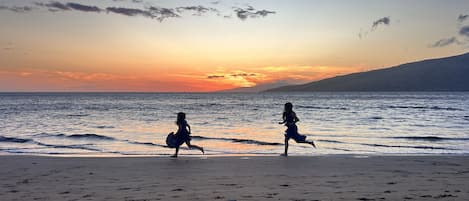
289 119
183 134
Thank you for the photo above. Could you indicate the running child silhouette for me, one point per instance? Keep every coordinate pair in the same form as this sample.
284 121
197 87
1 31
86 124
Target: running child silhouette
183 134
289 119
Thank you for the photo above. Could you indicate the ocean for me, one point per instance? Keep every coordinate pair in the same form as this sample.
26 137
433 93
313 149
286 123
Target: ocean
136 124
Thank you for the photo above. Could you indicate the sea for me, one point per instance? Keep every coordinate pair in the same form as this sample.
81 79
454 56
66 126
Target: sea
234 124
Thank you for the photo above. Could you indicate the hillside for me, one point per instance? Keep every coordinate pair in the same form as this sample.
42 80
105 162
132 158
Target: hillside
443 74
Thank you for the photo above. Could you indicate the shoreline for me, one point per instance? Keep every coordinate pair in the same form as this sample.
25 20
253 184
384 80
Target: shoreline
234 155
235 178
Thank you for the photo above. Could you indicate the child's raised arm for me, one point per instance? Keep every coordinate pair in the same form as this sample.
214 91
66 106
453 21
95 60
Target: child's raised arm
284 119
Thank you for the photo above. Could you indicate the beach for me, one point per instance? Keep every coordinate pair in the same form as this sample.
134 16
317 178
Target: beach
333 177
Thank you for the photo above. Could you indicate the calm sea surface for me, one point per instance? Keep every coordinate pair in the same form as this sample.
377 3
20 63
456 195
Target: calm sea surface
127 124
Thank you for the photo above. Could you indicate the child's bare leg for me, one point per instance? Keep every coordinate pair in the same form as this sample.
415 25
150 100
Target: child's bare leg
176 153
285 153
195 146
308 142
312 144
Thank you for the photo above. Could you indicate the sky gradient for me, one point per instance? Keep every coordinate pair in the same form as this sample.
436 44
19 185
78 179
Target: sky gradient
198 46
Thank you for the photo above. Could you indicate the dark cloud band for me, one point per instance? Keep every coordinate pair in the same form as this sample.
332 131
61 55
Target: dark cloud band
154 12
85 8
129 11
17 9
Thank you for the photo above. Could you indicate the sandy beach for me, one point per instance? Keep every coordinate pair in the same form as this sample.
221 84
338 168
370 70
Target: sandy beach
235 178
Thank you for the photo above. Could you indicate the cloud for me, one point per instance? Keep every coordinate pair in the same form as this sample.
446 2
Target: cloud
383 21
462 18
250 12
380 22
129 11
153 12
162 13
198 10
84 8
91 76
362 34
150 12
57 6
236 78
464 31
54 6
258 76
243 75
8 47
233 75
215 76
17 9
445 42
463 40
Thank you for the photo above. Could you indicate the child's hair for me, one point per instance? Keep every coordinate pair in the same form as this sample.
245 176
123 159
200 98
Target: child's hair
181 117
288 107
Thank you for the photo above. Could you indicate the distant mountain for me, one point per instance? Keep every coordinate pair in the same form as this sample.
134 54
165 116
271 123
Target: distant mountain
444 74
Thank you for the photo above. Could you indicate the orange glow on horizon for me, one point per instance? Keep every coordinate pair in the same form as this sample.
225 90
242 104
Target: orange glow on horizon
198 81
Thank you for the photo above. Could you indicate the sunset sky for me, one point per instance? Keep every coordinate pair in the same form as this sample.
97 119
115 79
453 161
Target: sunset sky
197 46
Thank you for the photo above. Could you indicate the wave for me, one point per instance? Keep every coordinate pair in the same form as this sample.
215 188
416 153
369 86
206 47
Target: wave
322 108
103 127
430 138
98 137
425 107
74 146
376 118
403 146
340 149
22 140
14 140
145 143
90 136
394 146
332 141
32 152
78 115
375 128
245 141
77 136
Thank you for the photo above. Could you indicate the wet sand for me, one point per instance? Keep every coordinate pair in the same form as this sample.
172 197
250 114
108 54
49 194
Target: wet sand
235 178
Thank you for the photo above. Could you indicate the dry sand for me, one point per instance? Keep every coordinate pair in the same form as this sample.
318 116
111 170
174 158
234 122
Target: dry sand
235 178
